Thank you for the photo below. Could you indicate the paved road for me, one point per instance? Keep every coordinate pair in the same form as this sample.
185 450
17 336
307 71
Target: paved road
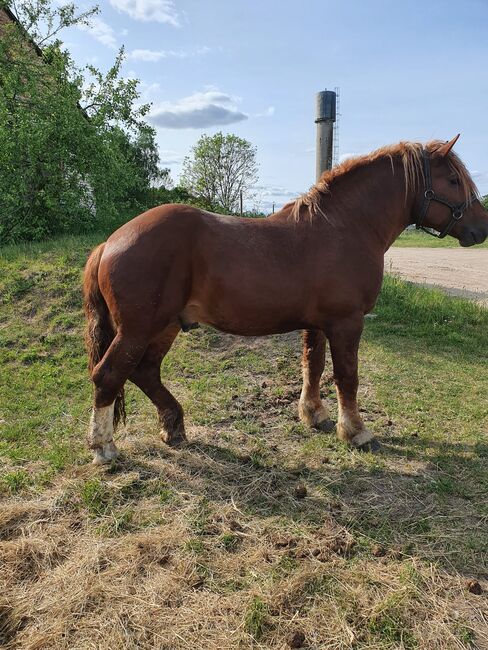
459 271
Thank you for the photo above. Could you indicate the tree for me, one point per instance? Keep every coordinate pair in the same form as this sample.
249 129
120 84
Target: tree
42 23
484 201
218 169
75 152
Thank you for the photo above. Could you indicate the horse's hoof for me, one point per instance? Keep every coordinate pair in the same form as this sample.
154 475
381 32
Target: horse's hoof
373 446
326 425
99 458
178 439
105 454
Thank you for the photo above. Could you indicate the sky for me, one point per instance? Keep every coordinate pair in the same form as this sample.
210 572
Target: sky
410 70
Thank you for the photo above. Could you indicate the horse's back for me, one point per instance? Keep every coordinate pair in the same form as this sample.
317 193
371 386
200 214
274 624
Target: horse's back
154 222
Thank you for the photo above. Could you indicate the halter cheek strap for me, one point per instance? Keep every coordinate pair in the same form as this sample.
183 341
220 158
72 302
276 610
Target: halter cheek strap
457 210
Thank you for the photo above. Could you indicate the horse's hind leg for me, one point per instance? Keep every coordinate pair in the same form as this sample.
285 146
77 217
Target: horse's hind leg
109 377
148 378
311 409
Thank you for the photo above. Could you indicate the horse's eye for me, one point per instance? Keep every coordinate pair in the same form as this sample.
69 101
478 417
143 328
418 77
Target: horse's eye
453 181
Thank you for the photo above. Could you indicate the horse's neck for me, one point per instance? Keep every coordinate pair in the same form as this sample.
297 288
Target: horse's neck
370 202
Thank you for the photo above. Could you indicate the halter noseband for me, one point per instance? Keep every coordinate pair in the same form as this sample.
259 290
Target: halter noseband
457 211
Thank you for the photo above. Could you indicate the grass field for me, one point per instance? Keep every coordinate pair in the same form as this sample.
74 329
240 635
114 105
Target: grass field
418 238
260 530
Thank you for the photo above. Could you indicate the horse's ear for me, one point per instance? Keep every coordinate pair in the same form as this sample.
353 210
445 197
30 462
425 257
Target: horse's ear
444 149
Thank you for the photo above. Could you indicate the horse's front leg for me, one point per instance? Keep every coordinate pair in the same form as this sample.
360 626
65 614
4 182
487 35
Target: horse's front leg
344 336
311 409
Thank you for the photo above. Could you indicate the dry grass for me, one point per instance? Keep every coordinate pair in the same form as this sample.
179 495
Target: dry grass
226 557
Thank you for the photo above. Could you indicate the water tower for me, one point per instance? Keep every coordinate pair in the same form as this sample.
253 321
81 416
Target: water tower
326 101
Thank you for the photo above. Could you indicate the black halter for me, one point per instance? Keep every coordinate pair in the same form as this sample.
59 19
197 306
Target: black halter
457 211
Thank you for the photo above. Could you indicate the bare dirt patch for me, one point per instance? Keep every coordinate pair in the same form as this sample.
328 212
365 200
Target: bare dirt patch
459 272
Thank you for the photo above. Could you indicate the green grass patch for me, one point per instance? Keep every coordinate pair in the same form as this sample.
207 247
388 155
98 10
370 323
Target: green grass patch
16 481
195 546
389 627
419 239
95 497
229 542
257 619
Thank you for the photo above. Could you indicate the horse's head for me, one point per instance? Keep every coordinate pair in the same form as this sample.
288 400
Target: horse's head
449 198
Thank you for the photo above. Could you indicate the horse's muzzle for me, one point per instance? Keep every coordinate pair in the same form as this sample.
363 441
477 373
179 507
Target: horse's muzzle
473 236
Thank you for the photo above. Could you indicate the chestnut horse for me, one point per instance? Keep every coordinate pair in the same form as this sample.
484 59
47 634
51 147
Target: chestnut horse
317 265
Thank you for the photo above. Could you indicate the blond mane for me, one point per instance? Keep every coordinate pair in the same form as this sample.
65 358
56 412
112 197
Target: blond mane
410 154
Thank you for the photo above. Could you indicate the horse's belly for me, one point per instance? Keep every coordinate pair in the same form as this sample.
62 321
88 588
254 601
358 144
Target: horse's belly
245 322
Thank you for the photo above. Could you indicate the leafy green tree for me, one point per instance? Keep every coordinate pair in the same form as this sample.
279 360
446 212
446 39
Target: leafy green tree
75 152
484 200
168 194
42 23
218 169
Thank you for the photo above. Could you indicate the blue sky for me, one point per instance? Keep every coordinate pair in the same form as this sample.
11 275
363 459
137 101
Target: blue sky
406 70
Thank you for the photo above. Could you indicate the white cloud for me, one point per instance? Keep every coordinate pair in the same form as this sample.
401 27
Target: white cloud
481 180
268 207
198 111
99 29
477 176
160 11
345 156
149 90
169 157
151 56
272 197
267 113
270 191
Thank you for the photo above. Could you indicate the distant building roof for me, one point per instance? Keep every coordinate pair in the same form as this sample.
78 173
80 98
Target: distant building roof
11 17
6 15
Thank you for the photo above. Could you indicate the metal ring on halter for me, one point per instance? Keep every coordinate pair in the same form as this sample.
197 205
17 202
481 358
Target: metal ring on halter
429 194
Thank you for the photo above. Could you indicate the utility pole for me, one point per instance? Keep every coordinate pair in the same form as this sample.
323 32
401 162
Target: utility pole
325 118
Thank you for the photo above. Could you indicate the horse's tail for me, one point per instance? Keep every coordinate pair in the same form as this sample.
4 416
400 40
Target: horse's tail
99 332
